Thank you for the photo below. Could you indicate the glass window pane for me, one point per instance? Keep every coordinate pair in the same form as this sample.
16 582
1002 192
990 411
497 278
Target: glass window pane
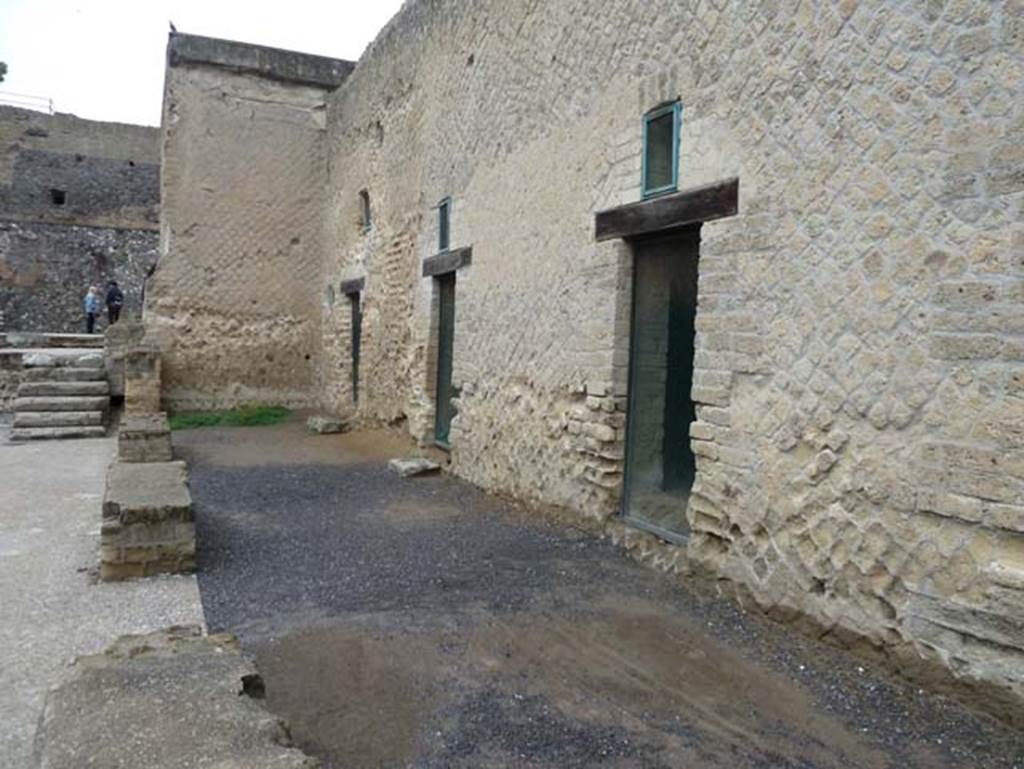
443 226
660 151
364 199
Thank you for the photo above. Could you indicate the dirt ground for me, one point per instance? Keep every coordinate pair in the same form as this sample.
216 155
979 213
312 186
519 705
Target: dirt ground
419 622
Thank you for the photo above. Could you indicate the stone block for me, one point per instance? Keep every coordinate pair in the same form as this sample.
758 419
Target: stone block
58 419
89 360
147 521
326 425
62 403
161 700
63 432
150 491
39 359
142 376
117 340
144 438
410 466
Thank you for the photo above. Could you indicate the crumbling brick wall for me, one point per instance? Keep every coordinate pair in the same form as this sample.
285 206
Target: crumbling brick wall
859 349
236 295
78 206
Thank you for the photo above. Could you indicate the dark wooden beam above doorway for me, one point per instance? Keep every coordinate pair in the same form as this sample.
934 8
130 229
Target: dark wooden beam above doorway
353 286
447 261
668 212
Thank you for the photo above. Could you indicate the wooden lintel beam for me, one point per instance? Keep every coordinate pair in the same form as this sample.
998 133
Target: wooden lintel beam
669 212
353 286
447 261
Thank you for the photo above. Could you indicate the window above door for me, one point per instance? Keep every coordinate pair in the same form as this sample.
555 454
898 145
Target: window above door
365 214
444 218
660 171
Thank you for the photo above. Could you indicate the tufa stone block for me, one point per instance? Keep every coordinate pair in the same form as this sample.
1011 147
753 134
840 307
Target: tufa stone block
142 380
326 425
410 466
148 525
144 438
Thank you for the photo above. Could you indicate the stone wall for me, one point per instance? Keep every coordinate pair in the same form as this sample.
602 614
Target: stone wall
860 355
78 206
236 297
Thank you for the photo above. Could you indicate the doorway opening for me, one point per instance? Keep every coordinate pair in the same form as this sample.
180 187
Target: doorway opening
445 292
357 336
660 464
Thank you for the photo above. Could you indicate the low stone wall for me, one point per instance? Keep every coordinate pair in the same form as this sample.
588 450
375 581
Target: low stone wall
148 524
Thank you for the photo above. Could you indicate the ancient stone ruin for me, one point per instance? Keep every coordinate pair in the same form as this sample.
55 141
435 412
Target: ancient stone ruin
79 202
746 280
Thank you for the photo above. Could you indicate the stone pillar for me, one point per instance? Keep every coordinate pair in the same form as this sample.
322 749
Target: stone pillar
116 341
142 380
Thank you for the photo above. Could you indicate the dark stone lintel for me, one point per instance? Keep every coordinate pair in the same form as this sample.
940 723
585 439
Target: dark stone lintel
669 212
353 286
449 261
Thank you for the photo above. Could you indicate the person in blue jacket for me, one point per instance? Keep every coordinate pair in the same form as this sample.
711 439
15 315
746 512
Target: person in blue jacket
92 308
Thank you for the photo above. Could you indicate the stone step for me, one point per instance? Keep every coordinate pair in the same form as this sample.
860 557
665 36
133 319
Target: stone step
57 403
58 419
62 359
59 341
44 433
65 374
30 389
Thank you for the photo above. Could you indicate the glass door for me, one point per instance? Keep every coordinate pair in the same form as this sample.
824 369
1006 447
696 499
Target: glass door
445 343
660 465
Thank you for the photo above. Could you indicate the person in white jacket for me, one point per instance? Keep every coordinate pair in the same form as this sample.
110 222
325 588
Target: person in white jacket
92 308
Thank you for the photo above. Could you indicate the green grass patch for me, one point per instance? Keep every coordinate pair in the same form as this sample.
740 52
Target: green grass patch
245 416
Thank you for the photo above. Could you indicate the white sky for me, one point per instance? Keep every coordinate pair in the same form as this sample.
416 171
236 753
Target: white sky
104 59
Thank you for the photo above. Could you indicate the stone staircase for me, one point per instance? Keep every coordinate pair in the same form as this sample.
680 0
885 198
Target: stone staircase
64 396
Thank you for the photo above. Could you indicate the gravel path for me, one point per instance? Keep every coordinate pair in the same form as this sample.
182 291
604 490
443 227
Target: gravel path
52 608
420 622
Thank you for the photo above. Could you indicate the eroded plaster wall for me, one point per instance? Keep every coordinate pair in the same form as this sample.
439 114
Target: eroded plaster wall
859 357
236 299
79 203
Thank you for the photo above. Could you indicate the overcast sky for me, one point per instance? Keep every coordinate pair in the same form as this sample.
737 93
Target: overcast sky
104 59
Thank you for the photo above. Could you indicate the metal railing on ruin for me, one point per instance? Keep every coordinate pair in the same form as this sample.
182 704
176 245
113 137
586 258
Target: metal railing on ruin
26 101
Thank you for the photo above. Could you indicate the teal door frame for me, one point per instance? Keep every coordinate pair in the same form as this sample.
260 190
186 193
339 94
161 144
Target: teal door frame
444 392
638 245
357 336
